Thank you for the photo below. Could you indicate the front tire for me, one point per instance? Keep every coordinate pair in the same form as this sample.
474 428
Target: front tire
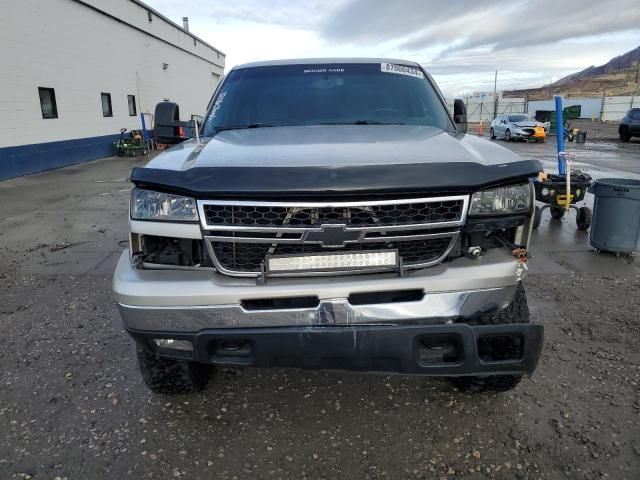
624 136
507 135
583 218
168 376
516 312
557 212
492 134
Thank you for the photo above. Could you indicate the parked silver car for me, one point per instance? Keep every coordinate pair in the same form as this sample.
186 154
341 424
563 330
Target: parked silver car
518 125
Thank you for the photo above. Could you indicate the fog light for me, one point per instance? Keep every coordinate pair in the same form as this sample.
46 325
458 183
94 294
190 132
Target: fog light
173 344
334 261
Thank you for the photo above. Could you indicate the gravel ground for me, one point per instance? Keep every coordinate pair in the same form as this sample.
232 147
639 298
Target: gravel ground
72 403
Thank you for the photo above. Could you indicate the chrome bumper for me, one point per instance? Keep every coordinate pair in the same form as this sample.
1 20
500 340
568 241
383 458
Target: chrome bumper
435 307
189 301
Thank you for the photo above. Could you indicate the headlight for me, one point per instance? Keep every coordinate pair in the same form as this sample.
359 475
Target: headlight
150 205
500 201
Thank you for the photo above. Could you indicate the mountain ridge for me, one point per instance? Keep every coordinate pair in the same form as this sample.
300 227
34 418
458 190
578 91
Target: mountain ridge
619 76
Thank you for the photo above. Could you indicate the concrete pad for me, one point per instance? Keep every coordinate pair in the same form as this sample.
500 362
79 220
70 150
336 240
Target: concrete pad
597 264
541 263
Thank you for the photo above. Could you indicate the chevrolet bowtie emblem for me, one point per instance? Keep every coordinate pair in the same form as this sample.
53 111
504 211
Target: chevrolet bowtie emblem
332 236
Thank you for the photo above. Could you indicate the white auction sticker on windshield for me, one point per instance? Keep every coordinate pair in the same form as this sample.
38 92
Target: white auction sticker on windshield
401 70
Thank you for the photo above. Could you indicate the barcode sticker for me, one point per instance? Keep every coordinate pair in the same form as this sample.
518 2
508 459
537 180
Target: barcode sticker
401 70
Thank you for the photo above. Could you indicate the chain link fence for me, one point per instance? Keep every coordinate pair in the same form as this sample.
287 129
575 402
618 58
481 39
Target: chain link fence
484 108
614 108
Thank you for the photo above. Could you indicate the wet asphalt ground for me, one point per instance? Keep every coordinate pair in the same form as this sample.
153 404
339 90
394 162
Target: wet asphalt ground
72 403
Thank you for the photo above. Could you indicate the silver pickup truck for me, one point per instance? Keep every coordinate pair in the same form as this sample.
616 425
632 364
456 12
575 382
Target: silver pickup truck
331 214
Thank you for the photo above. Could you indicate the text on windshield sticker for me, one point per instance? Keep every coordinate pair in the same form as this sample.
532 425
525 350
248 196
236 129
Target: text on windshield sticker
401 70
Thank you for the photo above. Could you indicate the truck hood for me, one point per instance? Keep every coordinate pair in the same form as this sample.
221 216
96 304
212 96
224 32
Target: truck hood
334 159
331 145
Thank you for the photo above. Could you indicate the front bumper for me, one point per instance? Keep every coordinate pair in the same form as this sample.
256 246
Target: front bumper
435 350
189 301
431 335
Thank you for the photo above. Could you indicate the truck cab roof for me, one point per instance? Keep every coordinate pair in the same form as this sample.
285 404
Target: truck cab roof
317 61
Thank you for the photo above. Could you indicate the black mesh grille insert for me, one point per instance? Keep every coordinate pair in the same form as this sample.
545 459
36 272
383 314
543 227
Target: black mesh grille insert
247 257
361 216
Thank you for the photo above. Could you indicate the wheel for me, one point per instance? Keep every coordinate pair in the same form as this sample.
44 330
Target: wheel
583 218
557 212
167 375
624 136
492 134
537 217
507 135
516 312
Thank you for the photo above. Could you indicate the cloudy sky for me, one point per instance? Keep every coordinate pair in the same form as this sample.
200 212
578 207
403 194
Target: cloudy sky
461 42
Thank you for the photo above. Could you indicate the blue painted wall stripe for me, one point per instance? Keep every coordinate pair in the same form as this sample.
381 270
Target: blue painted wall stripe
38 157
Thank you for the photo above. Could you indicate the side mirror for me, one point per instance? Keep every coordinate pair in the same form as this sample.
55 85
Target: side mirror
460 115
168 128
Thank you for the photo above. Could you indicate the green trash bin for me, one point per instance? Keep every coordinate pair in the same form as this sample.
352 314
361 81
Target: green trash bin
616 215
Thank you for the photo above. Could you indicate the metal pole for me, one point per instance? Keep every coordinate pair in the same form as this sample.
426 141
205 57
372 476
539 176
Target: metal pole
560 135
495 95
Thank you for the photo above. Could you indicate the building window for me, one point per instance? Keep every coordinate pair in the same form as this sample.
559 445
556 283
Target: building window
107 111
131 100
48 102
149 15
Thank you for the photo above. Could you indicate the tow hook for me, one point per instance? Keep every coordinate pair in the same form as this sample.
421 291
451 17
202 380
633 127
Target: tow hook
475 252
523 256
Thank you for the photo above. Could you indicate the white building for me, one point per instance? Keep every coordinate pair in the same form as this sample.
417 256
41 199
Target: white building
74 72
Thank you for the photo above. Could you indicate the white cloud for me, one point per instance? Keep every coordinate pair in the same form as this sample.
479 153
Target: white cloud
461 42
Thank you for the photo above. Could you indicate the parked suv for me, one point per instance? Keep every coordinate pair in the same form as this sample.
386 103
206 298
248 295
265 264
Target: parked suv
630 125
331 215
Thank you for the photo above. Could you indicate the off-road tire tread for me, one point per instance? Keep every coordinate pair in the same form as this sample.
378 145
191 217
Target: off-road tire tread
170 376
516 312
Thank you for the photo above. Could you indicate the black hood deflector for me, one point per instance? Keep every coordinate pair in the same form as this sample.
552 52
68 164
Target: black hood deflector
327 181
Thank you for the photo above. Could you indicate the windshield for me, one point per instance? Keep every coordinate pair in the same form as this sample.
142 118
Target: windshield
520 118
324 94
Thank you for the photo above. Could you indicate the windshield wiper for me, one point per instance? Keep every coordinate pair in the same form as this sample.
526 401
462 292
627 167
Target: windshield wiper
242 127
376 122
362 122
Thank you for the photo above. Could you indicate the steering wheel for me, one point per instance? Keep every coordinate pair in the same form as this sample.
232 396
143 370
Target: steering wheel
387 110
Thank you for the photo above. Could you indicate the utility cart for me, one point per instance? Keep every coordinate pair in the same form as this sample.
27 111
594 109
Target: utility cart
560 192
559 197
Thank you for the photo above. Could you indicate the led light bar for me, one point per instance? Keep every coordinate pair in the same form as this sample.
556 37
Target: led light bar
327 262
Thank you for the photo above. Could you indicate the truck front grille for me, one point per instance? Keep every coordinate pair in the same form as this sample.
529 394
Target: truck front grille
312 216
240 235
